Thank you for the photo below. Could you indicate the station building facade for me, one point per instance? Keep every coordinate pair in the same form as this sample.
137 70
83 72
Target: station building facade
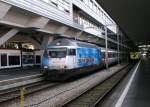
38 22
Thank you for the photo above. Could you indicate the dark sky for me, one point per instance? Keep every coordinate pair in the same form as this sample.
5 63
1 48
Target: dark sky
132 15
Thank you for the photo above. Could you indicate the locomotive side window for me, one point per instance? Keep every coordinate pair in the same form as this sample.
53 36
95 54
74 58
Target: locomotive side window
14 60
3 59
58 53
72 52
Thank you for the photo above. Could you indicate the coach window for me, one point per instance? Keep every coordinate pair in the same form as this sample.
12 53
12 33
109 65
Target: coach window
28 59
110 55
103 54
72 52
38 59
3 59
14 60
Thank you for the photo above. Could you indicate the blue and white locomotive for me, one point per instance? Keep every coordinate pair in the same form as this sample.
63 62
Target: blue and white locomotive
64 58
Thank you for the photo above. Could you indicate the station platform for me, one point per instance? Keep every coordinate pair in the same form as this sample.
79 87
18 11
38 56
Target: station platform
137 90
17 73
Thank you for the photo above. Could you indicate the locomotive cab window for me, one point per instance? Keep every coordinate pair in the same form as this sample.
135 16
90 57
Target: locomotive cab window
72 52
58 52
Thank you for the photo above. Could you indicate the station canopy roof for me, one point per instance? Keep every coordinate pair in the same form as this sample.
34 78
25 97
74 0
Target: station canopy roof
133 16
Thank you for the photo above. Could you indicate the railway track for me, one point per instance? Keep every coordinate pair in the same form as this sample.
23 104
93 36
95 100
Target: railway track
92 97
13 93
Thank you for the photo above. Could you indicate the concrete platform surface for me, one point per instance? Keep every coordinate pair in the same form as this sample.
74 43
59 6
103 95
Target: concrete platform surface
139 92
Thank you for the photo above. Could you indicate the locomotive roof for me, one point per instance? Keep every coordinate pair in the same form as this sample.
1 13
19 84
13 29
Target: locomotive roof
69 42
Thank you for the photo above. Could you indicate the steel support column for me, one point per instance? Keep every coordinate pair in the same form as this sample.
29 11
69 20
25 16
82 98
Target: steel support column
106 46
12 32
118 45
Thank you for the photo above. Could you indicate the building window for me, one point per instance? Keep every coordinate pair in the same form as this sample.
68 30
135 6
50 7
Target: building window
63 5
95 7
86 2
47 1
91 4
54 2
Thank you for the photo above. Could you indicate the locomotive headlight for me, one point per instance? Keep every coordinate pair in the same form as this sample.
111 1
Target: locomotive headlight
45 67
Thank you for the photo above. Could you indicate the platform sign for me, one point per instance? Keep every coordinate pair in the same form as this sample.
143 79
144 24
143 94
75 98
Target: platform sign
134 55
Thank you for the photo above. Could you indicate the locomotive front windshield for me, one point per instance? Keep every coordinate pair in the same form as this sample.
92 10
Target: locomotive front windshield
57 52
